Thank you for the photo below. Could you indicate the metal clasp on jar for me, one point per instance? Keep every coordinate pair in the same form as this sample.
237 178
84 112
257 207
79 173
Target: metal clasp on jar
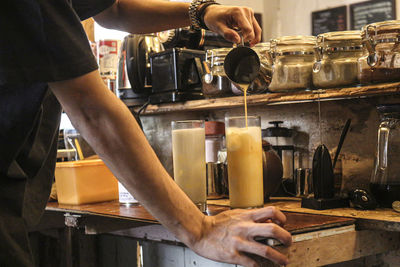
318 53
370 43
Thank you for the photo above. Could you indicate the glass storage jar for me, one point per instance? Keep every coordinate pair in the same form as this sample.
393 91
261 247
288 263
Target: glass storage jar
336 59
293 59
215 83
261 84
381 59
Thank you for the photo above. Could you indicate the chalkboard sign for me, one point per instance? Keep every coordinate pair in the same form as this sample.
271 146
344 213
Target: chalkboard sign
329 20
371 11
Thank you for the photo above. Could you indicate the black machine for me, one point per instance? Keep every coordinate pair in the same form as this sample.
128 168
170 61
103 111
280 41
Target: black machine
150 71
175 75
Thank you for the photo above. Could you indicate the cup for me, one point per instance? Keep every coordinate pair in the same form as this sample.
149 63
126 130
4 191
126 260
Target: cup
189 160
245 164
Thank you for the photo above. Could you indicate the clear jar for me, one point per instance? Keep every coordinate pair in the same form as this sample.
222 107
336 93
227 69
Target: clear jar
381 59
293 58
261 84
215 82
337 55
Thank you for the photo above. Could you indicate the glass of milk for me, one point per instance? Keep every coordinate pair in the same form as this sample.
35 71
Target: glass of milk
245 167
189 160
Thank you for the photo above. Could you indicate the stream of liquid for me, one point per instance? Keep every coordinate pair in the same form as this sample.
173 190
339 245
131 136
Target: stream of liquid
245 87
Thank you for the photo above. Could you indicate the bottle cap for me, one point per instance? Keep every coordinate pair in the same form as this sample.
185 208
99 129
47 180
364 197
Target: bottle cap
214 128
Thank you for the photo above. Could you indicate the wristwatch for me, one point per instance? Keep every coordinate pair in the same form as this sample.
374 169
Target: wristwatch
196 15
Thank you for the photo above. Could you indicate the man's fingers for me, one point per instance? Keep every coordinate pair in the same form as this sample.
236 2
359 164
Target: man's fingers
271 230
229 34
272 213
246 27
257 32
264 251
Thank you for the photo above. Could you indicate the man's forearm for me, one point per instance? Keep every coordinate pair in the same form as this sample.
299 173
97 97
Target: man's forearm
111 130
138 16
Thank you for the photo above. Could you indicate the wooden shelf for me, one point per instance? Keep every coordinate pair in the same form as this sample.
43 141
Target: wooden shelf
276 98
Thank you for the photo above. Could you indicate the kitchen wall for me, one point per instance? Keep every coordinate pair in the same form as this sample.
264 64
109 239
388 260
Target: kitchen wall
293 17
358 150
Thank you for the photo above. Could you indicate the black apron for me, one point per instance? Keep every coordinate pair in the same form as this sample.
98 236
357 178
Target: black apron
29 120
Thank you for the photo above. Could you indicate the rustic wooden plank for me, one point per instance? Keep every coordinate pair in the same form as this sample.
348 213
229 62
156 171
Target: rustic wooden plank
380 219
277 98
337 248
316 234
340 248
107 209
111 216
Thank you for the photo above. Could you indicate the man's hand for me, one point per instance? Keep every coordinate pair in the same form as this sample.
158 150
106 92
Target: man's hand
229 236
225 19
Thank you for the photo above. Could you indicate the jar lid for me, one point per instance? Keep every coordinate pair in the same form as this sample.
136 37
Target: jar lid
295 40
389 26
293 45
388 108
262 46
214 128
339 36
276 131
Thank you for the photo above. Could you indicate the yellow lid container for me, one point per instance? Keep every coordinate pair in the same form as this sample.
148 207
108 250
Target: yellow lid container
85 181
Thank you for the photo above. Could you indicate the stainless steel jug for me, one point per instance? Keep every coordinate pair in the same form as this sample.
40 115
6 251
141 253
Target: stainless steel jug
249 68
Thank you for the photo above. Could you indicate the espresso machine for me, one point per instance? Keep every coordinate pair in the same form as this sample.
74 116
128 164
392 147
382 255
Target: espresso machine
163 67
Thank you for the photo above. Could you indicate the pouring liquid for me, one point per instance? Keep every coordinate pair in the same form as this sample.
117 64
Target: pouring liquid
244 145
245 87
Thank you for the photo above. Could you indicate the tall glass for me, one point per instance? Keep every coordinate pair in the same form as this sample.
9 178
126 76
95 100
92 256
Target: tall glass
188 151
245 169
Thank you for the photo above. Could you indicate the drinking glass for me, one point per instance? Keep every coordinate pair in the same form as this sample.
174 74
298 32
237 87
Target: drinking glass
189 160
245 169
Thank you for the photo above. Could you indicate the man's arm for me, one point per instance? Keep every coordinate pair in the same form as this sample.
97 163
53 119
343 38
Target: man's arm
138 16
108 126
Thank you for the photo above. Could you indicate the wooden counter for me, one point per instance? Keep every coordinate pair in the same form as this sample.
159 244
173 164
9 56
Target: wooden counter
318 237
379 219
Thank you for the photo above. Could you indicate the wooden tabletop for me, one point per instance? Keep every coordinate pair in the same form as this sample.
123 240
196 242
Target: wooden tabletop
296 222
381 218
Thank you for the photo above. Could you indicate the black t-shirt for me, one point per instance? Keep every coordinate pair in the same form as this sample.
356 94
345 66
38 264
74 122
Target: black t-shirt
41 41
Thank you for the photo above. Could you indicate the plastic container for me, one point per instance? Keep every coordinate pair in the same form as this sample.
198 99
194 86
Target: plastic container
85 181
